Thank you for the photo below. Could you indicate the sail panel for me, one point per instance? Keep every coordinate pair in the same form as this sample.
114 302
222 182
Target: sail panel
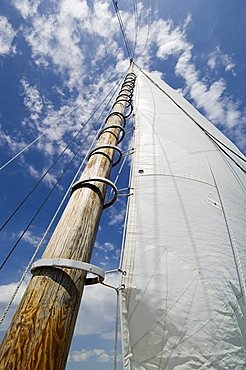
183 306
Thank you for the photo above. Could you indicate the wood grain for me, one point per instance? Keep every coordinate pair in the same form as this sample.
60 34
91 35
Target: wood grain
41 330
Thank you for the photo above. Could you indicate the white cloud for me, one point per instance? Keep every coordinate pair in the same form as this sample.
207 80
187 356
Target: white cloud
32 100
97 312
116 216
105 26
6 292
6 37
217 58
49 179
218 106
27 8
15 144
99 354
105 247
30 238
56 37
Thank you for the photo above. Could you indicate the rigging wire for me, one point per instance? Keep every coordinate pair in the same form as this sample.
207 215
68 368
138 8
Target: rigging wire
148 29
51 127
55 161
211 136
135 7
127 45
46 198
28 267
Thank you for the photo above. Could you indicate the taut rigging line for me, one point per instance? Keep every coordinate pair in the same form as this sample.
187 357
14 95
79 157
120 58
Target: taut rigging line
28 267
127 45
56 160
54 186
49 128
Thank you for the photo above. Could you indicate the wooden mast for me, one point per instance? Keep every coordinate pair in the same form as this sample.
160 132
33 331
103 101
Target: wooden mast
41 330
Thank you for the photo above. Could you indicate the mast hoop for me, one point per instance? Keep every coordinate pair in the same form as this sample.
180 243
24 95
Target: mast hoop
130 81
72 264
125 90
129 84
127 101
131 74
114 147
130 77
122 99
84 183
118 114
106 130
127 98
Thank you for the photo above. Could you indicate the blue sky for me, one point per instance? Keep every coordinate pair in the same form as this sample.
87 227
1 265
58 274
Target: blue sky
58 60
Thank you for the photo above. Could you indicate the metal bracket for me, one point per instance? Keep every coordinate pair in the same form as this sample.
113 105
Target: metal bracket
72 264
98 151
83 183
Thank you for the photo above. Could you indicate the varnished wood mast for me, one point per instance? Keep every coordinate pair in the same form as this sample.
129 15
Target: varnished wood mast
41 330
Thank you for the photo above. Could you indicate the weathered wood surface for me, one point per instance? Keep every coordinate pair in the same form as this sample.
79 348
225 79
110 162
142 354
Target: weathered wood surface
41 330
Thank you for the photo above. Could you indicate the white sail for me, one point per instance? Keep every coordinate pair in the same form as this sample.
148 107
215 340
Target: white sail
183 306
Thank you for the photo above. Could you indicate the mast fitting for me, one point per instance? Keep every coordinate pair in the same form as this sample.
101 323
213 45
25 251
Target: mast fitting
72 264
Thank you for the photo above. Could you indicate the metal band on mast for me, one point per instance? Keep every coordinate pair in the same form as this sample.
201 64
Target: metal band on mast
41 330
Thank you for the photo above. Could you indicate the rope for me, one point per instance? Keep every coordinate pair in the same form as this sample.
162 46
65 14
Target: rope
44 201
51 127
211 137
128 49
56 160
49 227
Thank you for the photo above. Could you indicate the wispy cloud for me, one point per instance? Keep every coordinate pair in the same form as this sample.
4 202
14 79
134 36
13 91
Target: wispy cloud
31 238
7 34
105 247
98 301
32 100
217 58
6 292
116 216
218 106
27 8
100 355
